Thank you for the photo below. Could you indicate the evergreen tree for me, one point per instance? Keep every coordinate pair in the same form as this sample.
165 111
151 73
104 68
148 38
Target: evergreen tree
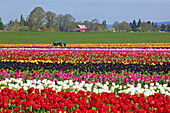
130 24
163 27
1 24
134 25
168 28
21 21
104 26
139 23
156 25
153 24
149 22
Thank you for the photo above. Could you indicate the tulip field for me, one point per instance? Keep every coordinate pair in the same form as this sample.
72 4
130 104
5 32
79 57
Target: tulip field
85 78
85 37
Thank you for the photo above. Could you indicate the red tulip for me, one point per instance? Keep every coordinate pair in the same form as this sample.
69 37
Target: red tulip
152 102
12 101
23 108
5 105
35 106
141 111
135 107
16 109
23 96
146 106
36 90
43 104
30 90
50 89
76 100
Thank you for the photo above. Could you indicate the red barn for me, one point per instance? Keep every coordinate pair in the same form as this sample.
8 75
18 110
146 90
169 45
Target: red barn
81 28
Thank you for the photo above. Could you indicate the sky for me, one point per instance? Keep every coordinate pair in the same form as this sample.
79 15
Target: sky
81 10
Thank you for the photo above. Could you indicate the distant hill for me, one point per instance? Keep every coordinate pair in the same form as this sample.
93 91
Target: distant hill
165 23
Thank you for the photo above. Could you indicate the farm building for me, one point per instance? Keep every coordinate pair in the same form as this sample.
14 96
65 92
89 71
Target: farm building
81 28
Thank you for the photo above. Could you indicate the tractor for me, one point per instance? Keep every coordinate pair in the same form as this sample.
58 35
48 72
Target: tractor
59 44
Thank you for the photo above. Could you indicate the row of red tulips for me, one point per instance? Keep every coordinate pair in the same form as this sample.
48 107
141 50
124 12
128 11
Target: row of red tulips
47 100
128 57
93 45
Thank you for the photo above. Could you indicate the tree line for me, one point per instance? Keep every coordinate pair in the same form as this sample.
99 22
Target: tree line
140 27
39 20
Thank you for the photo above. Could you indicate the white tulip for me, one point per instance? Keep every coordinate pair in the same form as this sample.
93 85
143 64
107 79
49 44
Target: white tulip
126 91
21 84
32 85
65 81
2 87
107 83
25 88
168 89
154 87
76 83
140 91
83 82
71 83
5 83
146 93
50 86
16 86
120 87
128 85
95 90
89 89
101 85
7 80
100 90
117 86
29 81
39 81
121 91
86 85
145 86
112 88
167 93
91 84
165 86
70 80
151 84
34 81
162 91
157 83
59 89
124 87
132 92
113 84
159 86
151 88
139 85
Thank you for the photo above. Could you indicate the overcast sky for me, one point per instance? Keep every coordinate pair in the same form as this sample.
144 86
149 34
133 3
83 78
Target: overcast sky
109 10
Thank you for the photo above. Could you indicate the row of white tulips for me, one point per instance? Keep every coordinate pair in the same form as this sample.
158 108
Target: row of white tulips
158 88
13 83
